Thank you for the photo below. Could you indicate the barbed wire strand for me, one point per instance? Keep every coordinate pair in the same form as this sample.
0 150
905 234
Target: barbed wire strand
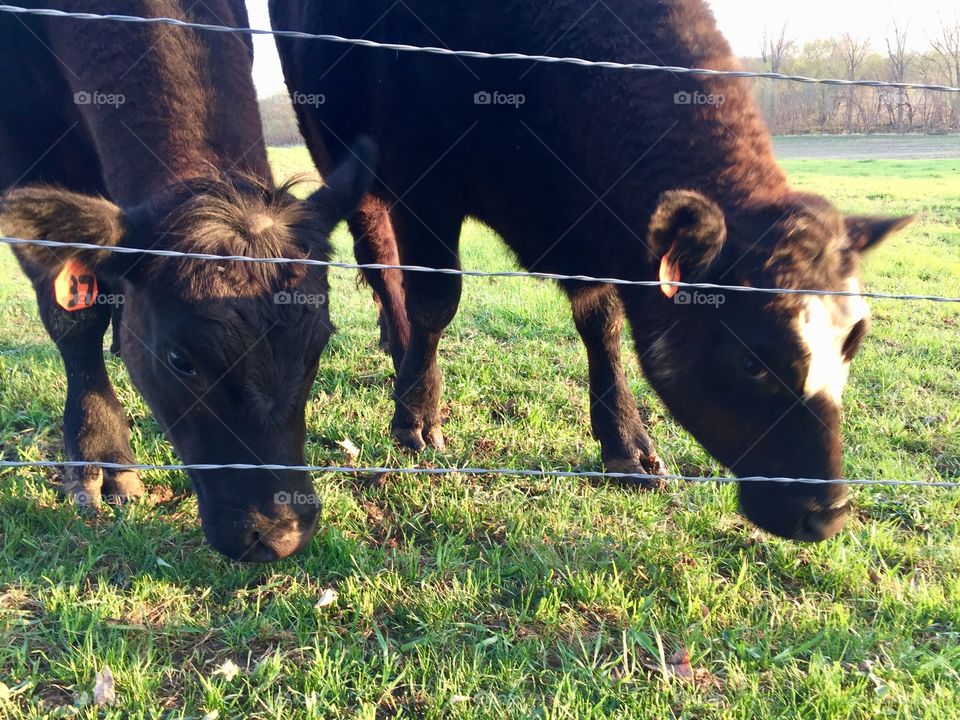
474 54
330 469
471 273
398 47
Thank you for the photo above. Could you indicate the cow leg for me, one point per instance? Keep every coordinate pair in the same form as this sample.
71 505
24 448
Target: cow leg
624 443
375 243
44 141
94 424
431 303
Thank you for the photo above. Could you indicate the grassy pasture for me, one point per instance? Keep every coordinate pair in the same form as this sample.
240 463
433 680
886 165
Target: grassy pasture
505 597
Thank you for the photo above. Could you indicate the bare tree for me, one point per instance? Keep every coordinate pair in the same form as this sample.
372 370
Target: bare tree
853 52
795 109
776 48
900 59
947 49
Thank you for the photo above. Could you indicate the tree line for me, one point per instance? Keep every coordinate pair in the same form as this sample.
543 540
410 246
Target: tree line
796 109
279 121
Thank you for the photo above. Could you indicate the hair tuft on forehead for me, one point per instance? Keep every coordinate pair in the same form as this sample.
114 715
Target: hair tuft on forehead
234 214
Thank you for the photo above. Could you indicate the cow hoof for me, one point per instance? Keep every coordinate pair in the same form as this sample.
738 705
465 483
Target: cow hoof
433 437
409 439
83 486
418 438
122 486
644 468
654 465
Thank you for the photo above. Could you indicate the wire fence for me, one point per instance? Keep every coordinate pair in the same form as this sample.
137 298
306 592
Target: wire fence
477 55
349 469
580 62
474 273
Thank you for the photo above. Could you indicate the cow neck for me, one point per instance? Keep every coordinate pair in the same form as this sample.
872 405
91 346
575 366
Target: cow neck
172 103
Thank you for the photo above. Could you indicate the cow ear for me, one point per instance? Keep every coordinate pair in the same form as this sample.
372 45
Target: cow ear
687 232
865 233
345 187
53 214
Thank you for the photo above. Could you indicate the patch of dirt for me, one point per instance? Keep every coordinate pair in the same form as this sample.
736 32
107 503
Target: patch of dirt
51 694
507 411
164 495
380 525
484 445
402 702
15 599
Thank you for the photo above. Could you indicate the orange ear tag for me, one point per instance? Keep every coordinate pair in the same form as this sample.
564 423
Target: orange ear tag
669 273
76 286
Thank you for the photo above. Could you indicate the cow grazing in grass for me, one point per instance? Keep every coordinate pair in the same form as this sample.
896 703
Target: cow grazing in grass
636 175
149 137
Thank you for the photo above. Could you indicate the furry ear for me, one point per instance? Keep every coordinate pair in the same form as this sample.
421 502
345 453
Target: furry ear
865 233
687 233
345 187
48 213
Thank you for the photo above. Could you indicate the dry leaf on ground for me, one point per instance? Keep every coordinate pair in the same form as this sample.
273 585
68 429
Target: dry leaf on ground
676 665
351 450
229 669
327 597
104 692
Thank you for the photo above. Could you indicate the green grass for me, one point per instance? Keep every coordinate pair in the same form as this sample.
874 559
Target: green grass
503 597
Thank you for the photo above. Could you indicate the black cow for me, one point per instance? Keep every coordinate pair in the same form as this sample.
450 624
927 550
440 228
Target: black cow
636 175
149 137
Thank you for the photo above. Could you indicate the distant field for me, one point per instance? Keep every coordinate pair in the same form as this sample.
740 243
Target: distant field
499 597
869 147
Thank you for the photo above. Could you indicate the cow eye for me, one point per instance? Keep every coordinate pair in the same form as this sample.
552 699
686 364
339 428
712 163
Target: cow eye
753 367
180 364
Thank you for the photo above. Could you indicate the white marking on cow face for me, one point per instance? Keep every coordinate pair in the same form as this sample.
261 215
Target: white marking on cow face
825 323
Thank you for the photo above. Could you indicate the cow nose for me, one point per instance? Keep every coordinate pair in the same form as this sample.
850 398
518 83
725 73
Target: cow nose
820 524
265 542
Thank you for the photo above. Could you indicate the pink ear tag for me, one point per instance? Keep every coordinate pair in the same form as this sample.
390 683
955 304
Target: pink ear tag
76 286
669 273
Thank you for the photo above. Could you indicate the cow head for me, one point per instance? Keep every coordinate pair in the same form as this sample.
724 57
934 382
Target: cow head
224 352
758 378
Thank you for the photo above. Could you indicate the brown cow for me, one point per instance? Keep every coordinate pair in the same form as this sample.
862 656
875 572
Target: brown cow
606 173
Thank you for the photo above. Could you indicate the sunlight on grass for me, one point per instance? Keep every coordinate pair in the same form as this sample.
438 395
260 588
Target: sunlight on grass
498 596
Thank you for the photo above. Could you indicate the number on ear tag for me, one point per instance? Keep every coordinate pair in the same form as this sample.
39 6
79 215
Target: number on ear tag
76 286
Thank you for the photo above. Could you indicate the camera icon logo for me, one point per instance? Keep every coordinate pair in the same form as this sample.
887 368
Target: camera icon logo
482 98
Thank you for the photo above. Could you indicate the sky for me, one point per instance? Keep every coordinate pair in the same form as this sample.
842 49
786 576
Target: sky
266 66
742 21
